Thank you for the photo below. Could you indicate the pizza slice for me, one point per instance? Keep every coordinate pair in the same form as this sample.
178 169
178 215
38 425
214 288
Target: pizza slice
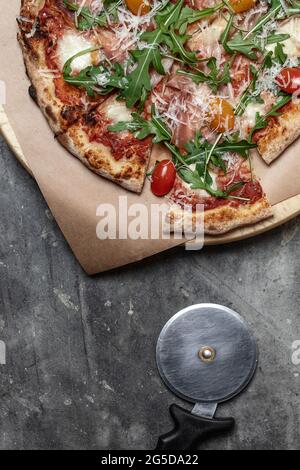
243 201
48 39
212 169
120 157
196 101
284 128
272 31
68 66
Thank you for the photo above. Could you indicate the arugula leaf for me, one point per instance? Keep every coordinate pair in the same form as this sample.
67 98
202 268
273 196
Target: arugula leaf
280 55
218 162
249 47
241 147
189 16
199 178
261 122
193 178
267 62
139 83
177 47
247 96
67 69
134 88
201 153
168 15
251 44
95 79
142 128
234 187
277 38
293 8
197 182
276 8
214 79
87 20
225 35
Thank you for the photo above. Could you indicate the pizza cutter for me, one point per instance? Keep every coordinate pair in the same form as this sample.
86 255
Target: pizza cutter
205 355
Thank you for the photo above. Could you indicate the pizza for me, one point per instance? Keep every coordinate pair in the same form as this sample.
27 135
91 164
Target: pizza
210 82
80 116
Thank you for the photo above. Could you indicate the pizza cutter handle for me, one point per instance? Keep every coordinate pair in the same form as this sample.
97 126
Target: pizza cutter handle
190 430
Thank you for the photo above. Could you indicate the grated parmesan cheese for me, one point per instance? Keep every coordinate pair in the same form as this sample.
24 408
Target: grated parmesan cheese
102 79
248 18
189 107
206 39
291 45
130 28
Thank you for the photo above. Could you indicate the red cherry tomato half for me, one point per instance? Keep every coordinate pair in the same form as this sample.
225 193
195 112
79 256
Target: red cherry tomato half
288 79
163 178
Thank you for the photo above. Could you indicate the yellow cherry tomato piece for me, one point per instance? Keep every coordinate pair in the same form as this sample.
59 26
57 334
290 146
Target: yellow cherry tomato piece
239 6
221 115
138 7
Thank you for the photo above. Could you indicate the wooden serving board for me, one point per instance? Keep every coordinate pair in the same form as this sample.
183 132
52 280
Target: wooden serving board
283 212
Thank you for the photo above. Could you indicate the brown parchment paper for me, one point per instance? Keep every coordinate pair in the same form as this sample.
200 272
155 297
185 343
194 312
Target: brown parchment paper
72 192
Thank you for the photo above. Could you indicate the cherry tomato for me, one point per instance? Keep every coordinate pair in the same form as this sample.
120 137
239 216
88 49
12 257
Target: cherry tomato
288 79
138 7
163 178
222 115
239 6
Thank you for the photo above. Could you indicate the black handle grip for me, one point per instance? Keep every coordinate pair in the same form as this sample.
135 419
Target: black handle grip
190 430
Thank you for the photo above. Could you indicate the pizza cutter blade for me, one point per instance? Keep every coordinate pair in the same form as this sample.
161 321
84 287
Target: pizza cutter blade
205 355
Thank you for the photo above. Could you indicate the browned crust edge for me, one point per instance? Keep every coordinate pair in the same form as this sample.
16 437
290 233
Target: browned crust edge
44 95
280 133
222 219
99 152
31 7
42 88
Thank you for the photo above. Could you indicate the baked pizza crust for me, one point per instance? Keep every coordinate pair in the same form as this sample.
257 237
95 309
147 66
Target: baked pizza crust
65 120
30 8
42 88
221 219
280 133
96 156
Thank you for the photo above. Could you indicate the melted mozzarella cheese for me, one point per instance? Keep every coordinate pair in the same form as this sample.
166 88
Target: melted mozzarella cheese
69 45
291 45
213 33
117 112
198 192
201 192
251 110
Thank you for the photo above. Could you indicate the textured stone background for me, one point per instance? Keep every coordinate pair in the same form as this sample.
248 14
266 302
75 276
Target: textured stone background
80 371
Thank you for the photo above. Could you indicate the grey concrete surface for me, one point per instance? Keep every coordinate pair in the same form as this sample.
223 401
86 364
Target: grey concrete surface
80 365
